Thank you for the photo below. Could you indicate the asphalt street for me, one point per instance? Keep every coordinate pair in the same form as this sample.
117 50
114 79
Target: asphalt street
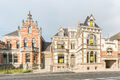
63 76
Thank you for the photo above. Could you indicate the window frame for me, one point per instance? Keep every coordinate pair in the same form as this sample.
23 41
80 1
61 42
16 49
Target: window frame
61 57
27 57
29 29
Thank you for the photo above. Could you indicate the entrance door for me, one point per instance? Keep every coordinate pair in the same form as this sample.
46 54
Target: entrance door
5 58
110 63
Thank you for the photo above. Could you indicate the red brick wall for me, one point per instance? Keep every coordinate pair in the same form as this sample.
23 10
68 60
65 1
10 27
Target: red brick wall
1 58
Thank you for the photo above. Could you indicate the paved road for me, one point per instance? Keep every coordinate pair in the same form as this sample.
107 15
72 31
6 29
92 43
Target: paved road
64 76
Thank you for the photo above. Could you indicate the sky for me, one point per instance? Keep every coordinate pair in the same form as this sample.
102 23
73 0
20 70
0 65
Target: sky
53 14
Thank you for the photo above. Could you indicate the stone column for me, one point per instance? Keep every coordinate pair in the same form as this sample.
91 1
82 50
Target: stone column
93 57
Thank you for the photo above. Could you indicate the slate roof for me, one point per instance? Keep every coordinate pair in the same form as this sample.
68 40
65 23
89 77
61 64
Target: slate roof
115 37
14 33
65 32
46 46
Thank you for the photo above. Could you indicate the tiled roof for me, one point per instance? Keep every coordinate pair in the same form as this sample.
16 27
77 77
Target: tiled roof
115 37
14 33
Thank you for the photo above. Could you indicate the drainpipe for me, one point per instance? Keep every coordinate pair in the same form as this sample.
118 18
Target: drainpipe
39 48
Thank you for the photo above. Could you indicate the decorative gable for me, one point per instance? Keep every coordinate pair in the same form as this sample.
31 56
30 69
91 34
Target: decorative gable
91 21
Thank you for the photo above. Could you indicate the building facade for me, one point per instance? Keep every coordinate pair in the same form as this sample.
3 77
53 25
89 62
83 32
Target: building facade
23 46
82 49
77 49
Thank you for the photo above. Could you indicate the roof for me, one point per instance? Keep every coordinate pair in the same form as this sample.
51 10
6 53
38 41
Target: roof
115 37
65 32
14 33
46 46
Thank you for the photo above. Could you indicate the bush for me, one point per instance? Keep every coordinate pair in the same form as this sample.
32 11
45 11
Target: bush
15 71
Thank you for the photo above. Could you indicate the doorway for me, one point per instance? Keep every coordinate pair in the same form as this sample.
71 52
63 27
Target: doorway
110 63
5 58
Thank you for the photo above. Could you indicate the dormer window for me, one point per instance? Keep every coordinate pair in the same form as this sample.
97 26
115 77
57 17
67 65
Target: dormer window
91 23
29 29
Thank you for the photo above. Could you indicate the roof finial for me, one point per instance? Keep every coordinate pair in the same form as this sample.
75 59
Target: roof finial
29 16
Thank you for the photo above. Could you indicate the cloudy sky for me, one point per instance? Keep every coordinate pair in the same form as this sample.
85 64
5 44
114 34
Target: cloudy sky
52 14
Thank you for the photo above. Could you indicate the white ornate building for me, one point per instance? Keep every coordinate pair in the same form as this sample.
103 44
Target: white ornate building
81 49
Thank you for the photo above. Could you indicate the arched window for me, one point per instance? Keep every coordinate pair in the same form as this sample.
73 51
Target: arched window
91 39
91 57
109 51
33 43
29 29
25 43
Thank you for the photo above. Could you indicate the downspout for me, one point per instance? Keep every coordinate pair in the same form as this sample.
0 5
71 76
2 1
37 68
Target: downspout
39 48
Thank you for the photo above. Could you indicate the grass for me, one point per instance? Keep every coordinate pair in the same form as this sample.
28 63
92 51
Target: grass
15 71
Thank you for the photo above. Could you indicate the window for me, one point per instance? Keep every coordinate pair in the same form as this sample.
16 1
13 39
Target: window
25 43
27 57
91 57
61 33
88 68
109 51
72 56
60 58
72 45
9 45
10 58
91 40
91 24
72 34
29 29
17 45
60 45
15 58
33 43
35 58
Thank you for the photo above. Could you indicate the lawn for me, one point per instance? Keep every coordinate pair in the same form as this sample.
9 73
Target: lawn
15 71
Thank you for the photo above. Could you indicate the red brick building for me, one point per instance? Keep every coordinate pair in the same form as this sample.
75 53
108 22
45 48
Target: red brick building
23 46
